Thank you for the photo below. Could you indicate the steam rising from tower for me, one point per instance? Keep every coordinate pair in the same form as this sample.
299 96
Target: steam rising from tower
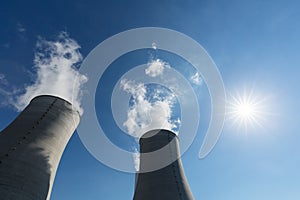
56 65
31 148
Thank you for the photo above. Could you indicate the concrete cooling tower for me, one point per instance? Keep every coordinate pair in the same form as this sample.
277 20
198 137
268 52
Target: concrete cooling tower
31 148
159 150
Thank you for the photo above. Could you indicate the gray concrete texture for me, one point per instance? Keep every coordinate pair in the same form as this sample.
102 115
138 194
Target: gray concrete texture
160 151
31 148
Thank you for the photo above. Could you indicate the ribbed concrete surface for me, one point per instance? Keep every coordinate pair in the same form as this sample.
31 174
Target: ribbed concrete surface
167 183
31 148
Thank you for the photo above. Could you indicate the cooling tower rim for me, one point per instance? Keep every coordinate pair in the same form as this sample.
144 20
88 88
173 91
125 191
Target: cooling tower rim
153 132
56 97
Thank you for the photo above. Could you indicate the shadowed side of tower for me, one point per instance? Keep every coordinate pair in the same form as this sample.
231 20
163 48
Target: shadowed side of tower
160 151
31 148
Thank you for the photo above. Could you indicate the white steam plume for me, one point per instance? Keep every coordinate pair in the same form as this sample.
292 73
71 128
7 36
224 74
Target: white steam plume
55 63
136 159
148 113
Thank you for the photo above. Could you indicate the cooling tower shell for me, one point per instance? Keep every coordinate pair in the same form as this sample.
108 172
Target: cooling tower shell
167 182
31 148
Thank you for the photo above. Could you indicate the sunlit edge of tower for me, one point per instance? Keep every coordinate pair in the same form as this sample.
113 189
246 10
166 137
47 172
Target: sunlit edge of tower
32 145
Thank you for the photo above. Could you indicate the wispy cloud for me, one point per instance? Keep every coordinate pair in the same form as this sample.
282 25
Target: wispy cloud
156 68
149 109
154 46
3 79
21 28
6 45
55 64
196 79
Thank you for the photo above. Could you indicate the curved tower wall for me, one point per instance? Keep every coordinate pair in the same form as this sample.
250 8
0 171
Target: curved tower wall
31 148
164 183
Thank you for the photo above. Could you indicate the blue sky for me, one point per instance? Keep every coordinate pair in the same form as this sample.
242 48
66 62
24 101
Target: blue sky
255 47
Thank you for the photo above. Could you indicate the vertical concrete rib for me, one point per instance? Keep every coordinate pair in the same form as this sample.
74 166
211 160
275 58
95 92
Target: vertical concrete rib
31 148
167 183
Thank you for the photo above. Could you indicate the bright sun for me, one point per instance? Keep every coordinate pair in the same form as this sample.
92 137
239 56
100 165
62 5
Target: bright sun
246 110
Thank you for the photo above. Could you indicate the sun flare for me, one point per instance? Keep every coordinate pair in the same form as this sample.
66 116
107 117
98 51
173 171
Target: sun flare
245 110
